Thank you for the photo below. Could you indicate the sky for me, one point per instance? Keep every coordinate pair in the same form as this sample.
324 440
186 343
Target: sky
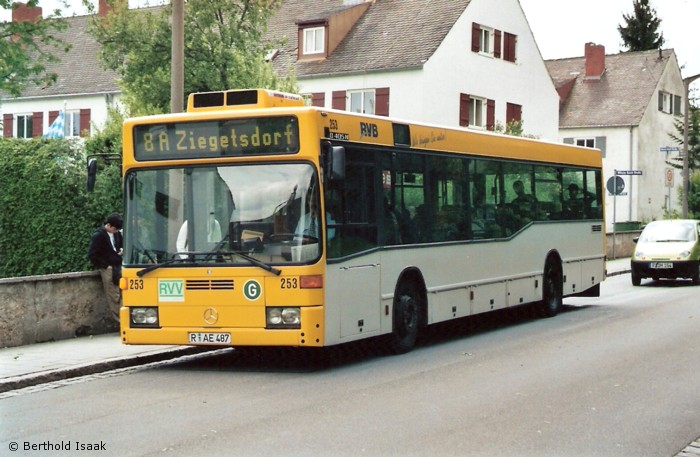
561 27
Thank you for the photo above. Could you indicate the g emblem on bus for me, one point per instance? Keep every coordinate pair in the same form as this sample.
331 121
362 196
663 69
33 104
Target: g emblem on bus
252 289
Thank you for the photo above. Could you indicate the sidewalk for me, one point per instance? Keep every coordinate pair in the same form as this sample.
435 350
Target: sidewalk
26 366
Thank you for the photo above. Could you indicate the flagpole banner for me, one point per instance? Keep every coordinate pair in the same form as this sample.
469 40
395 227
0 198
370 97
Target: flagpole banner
56 130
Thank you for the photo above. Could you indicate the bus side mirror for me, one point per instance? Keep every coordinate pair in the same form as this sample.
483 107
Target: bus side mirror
91 174
336 163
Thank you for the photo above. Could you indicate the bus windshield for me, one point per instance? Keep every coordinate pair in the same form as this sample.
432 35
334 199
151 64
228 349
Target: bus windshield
210 214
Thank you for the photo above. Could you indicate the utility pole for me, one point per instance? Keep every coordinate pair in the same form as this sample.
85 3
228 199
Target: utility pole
177 66
686 159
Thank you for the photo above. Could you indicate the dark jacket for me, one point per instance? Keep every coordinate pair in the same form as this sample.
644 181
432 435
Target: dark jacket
101 253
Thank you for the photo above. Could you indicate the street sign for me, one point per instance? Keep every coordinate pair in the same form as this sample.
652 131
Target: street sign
628 172
669 177
615 185
668 149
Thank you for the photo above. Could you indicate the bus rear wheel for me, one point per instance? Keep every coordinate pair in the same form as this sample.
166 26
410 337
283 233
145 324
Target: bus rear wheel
553 285
406 319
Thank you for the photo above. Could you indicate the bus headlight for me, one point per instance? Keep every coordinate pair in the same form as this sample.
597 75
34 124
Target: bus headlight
144 316
283 318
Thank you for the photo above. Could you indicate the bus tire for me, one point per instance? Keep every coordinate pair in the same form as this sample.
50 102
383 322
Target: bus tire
405 319
552 289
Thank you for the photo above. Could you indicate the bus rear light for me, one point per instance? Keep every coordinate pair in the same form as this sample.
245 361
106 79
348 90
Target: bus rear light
143 317
283 318
311 282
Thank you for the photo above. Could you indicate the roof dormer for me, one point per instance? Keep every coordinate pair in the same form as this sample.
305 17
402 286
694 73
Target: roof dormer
320 35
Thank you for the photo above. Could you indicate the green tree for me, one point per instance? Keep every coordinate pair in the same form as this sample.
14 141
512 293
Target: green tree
693 156
640 33
46 214
26 48
224 49
694 195
693 139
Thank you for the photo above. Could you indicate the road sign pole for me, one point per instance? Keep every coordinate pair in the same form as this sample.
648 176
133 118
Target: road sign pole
614 218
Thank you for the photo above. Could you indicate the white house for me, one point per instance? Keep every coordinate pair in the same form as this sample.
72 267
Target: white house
83 91
625 105
452 62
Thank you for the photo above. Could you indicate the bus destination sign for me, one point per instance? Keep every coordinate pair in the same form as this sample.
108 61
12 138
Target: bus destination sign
217 138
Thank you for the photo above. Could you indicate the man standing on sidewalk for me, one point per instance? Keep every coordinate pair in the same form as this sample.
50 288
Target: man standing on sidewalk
105 254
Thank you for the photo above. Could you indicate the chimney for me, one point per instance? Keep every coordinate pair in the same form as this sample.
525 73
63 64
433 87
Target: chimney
595 61
22 13
107 6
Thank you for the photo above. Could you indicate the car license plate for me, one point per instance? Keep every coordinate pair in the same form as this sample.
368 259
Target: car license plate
661 265
209 338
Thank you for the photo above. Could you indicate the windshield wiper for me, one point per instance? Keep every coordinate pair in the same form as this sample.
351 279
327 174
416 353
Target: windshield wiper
190 257
252 260
162 264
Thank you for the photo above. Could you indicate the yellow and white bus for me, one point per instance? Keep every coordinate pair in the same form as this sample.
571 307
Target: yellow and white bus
225 243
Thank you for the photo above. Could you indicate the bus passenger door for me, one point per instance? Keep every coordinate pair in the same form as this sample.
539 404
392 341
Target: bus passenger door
353 272
352 291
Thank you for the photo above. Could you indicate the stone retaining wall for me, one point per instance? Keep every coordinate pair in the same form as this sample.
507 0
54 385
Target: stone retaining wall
35 309
623 242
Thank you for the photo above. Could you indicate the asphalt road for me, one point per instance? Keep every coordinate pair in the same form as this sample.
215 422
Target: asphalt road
610 376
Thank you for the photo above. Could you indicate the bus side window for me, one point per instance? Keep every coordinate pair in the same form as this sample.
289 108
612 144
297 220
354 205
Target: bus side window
354 206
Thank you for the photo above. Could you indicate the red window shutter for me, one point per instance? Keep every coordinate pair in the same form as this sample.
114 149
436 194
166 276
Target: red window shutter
85 122
7 120
513 112
497 44
381 105
52 116
509 47
464 110
338 100
318 99
490 114
476 37
37 124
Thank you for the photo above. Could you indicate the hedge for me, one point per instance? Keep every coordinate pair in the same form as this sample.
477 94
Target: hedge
46 214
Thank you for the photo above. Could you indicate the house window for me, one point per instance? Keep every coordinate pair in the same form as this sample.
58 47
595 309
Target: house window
585 142
24 126
514 113
477 112
314 39
362 101
72 123
486 41
669 103
492 42
598 142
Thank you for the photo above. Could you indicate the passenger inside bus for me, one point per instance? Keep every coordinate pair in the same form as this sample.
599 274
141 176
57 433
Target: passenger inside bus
574 204
521 205
309 223
213 233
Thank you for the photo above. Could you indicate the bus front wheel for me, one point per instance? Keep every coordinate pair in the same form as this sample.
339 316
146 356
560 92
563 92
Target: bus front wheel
553 285
406 319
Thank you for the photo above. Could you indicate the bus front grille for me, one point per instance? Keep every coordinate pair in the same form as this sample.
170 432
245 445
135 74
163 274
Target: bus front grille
209 284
